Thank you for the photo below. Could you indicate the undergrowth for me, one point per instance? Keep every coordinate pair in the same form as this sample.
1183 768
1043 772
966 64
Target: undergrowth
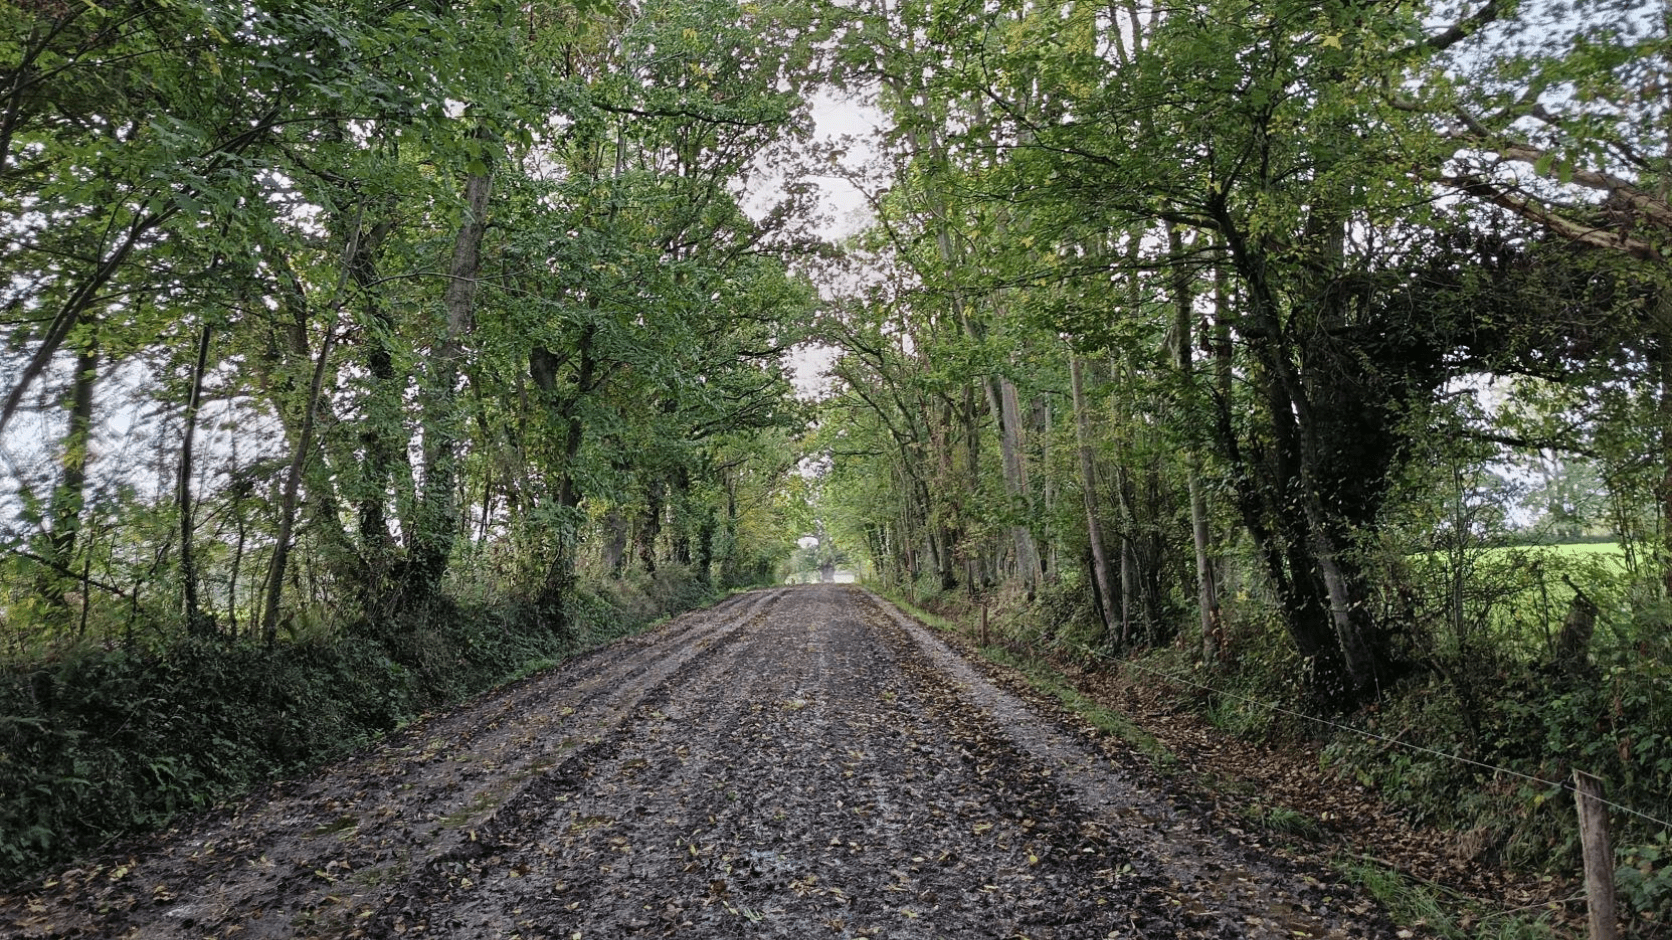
1441 912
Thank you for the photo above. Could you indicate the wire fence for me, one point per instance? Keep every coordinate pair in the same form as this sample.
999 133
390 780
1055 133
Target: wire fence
1392 741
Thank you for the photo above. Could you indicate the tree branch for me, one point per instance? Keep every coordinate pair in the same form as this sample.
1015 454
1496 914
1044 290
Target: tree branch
1524 443
1458 32
686 113
55 566
1601 181
1535 211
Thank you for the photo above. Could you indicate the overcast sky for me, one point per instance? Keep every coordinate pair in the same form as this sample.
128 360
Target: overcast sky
838 119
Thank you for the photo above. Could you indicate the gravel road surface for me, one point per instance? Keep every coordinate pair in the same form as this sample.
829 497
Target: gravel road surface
799 762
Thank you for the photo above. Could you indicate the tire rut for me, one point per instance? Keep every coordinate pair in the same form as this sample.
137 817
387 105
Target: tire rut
793 761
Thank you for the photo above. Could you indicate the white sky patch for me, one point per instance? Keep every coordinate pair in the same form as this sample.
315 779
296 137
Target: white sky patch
847 133
852 131
844 156
810 362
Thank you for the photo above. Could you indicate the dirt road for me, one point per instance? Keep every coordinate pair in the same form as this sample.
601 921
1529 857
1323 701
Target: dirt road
795 762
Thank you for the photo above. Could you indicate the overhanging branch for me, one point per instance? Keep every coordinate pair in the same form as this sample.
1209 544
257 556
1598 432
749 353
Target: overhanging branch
1534 211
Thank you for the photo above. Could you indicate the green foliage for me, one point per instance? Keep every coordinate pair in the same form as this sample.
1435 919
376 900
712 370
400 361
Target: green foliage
1063 619
463 254
1644 878
1283 820
1539 720
1443 912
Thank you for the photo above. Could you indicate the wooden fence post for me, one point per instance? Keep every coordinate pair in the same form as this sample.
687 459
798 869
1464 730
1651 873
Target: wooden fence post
1599 855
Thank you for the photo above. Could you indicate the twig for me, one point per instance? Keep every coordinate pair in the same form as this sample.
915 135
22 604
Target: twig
79 576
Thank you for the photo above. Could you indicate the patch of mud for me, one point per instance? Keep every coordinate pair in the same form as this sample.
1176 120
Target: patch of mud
795 762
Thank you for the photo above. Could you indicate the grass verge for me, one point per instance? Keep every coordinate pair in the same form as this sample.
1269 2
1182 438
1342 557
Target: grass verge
1437 911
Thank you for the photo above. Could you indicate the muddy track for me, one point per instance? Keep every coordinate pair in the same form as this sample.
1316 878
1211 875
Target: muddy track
795 761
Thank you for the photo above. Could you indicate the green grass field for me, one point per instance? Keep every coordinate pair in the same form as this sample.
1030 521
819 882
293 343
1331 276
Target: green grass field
1601 550
1520 595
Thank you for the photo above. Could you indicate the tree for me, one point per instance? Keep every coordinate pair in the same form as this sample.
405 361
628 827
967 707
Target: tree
424 266
1244 165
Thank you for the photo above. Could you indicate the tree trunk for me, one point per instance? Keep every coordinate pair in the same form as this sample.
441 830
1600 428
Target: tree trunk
70 495
232 576
681 540
1102 576
1665 456
382 428
1207 590
274 589
1016 482
1128 562
1207 579
704 555
432 544
1049 560
197 622
284 370
559 579
1317 592
650 525
273 586
615 541
941 432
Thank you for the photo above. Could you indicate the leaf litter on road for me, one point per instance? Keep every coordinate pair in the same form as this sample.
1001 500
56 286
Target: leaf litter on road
794 762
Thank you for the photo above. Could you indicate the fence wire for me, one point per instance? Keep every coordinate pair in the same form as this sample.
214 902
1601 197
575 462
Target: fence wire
1663 824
